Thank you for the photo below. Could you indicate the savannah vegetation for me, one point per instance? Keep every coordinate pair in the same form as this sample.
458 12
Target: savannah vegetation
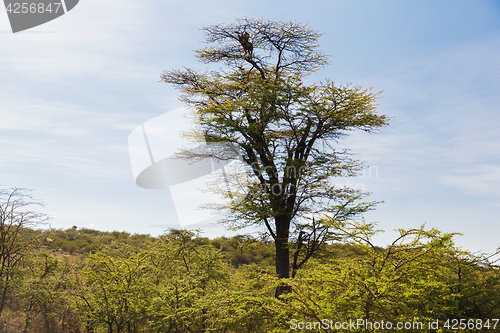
83 280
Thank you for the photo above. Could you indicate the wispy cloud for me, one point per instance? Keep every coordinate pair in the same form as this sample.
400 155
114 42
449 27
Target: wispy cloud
480 180
445 105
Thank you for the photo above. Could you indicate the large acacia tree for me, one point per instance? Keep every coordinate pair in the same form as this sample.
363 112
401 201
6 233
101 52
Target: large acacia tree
286 131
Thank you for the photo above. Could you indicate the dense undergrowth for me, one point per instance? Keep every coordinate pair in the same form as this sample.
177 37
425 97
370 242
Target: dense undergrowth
83 280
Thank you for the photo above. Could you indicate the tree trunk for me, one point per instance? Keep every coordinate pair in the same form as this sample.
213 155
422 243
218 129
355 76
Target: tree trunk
4 294
282 254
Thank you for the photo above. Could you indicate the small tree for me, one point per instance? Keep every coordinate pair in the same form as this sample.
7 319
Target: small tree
46 293
187 277
475 284
116 292
284 129
14 216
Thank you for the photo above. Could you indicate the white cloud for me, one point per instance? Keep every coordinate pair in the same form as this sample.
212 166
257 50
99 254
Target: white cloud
480 180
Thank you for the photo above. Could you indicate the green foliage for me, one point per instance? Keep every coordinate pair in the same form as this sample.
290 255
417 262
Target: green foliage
181 282
46 293
402 282
115 282
116 292
411 280
475 284
245 250
185 275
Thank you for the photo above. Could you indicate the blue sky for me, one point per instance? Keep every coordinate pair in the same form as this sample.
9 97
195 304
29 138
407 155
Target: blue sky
74 89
